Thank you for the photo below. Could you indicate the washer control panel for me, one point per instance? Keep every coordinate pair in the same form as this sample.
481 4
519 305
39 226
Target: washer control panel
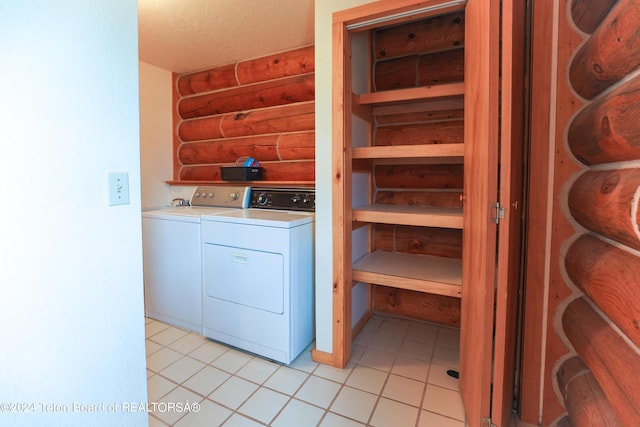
288 199
221 196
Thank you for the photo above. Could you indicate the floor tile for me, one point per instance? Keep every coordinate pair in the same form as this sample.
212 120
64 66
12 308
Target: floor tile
356 352
396 376
438 376
448 338
389 413
163 410
233 392
446 357
158 386
378 359
422 332
334 374
182 369
231 361
411 367
162 358
404 390
209 351
264 405
355 404
429 419
238 420
443 401
207 380
417 349
365 338
318 391
258 370
286 380
374 324
395 327
367 379
299 414
153 327
335 420
154 422
304 362
152 347
210 414
168 335
187 343
386 342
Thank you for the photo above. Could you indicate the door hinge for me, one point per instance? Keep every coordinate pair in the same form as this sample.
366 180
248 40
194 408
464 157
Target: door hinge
487 422
499 212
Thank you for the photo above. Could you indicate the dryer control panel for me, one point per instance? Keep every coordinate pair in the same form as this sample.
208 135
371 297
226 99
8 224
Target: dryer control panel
288 199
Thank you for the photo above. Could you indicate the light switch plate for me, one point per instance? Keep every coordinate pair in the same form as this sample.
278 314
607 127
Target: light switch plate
118 188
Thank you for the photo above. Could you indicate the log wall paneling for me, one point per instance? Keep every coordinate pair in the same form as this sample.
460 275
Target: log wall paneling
259 95
419 70
303 170
610 54
587 14
227 150
609 277
289 118
272 67
206 81
429 35
419 176
398 117
615 370
417 305
285 64
445 199
262 108
606 130
598 388
606 202
449 132
585 401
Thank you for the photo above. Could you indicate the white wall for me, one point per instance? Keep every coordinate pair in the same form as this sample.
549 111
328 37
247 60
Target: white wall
156 139
71 309
324 265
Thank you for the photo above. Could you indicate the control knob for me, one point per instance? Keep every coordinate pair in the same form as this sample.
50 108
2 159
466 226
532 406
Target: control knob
234 196
295 199
262 199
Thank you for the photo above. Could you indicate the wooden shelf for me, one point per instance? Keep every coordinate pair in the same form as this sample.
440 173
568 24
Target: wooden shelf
422 273
424 216
407 154
389 97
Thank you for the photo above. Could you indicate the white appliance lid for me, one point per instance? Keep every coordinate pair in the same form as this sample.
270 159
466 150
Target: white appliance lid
265 218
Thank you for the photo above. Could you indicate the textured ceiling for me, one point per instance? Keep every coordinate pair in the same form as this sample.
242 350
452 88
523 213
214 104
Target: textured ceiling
191 35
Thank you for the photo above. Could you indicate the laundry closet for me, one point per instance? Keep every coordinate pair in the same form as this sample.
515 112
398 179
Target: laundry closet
427 170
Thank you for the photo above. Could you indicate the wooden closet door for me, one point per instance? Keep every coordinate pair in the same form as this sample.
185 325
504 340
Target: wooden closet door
481 106
492 259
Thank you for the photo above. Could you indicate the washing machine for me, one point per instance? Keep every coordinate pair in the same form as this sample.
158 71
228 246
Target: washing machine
258 274
172 256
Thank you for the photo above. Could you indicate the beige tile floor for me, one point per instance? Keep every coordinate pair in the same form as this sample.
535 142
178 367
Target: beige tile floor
395 378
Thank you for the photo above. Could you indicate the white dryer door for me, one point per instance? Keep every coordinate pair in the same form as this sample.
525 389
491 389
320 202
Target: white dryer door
243 276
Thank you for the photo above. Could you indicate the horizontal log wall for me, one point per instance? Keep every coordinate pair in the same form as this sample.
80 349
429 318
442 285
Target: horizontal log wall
612 52
612 361
262 108
602 321
585 401
423 53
